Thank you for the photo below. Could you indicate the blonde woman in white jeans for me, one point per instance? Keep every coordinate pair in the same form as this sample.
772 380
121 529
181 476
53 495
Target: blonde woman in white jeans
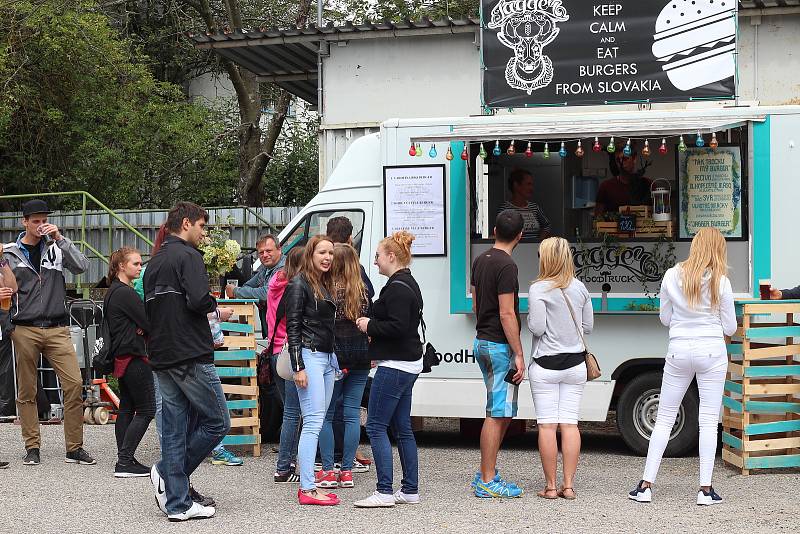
557 371
697 305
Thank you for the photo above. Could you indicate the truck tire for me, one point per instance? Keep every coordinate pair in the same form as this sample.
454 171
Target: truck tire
636 416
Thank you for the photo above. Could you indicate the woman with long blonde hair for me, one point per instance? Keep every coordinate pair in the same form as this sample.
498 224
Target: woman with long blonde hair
697 306
310 317
559 305
350 295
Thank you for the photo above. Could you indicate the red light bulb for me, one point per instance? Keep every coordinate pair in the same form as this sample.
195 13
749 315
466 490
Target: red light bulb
464 153
412 151
529 150
596 147
663 148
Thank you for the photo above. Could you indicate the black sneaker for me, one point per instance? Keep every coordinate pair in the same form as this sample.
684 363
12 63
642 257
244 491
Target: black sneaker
130 470
31 457
199 498
641 493
4 465
79 456
287 478
708 498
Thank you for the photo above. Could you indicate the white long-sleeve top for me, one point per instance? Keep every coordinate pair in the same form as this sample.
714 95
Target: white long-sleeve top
549 319
702 321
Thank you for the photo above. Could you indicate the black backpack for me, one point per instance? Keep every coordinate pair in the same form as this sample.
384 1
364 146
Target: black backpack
103 359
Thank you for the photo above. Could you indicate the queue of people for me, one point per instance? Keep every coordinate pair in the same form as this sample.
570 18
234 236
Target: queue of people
318 307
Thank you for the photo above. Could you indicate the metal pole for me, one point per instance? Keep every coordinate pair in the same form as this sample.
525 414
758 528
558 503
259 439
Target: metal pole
320 50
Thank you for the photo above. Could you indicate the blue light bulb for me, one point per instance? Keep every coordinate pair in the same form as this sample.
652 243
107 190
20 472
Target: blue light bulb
496 151
563 150
432 151
700 142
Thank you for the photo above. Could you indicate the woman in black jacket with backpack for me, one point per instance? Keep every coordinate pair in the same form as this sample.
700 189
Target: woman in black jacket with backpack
128 326
393 329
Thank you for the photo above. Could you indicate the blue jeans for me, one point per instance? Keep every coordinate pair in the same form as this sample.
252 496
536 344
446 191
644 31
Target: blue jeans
287 450
314 400
195 418
390 406
350 389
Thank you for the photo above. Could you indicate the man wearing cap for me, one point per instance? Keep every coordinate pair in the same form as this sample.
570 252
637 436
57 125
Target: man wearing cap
39 321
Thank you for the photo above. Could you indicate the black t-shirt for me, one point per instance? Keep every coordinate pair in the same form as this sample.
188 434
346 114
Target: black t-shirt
494 273
35 255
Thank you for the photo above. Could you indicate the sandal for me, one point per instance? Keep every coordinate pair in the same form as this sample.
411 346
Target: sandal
567 497
544 494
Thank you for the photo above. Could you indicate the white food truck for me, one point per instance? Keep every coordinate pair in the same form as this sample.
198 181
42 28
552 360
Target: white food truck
449 191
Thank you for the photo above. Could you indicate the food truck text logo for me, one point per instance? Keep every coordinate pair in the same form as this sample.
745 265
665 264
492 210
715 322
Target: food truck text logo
526 27
601 264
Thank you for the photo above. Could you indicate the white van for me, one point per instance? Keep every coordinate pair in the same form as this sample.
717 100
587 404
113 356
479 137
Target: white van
622 271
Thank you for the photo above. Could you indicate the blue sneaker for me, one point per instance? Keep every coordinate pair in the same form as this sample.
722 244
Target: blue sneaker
496 488
497 478
223 456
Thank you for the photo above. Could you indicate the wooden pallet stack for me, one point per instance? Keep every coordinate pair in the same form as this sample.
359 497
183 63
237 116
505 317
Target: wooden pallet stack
646 227
236 364
761 416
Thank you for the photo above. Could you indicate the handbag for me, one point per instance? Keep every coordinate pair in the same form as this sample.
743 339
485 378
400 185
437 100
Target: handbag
284 364
593 370
264 368
429 357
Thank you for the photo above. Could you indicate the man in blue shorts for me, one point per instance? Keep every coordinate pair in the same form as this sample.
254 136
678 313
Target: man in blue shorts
498 348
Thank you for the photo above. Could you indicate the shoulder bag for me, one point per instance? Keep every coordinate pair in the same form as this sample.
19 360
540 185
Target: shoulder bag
284 364
593 370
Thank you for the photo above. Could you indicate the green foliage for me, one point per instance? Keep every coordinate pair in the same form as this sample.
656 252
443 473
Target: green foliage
79 109
292 177
359 11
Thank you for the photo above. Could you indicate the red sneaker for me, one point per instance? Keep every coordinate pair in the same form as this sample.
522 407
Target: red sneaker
346 479
309 498
326 479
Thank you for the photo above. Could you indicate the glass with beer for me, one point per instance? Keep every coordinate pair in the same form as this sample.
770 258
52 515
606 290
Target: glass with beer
763 288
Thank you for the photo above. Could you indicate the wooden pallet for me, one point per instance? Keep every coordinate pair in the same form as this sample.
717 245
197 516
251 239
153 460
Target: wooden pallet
236 364
761 405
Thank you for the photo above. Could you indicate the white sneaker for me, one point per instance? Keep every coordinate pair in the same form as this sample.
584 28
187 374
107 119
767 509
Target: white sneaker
159 489
406 498
707 499
641 494
196 511
358 467
376 500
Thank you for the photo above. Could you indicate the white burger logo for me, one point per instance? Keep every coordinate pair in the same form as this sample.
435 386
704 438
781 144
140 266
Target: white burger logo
526 27
696 39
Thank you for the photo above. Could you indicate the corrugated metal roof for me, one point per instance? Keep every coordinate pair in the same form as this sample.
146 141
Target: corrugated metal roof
288 57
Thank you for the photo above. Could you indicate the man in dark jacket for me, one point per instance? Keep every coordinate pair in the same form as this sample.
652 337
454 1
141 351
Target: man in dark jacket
194 412
39 326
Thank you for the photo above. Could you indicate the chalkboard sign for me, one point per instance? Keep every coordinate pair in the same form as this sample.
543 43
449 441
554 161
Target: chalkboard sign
627 223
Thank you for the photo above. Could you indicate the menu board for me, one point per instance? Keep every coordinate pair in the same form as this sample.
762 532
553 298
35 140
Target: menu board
583 52
414 200
710 183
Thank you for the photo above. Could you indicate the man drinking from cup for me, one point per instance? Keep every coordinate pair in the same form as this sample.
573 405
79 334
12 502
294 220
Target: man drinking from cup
39 320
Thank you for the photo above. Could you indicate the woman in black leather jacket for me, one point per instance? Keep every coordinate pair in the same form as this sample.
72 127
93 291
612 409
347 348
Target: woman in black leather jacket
310 317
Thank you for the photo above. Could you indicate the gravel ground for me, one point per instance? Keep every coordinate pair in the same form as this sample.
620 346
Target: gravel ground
59 497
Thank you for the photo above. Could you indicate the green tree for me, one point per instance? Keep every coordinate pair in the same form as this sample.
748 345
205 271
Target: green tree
79 109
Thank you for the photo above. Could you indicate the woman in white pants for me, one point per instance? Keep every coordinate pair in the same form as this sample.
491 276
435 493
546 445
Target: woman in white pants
697 305
559 304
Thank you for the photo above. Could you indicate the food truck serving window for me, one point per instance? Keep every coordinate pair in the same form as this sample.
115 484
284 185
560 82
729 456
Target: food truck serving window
628 206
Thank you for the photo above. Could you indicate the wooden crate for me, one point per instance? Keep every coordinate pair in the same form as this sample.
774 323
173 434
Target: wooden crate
761 405
647 227
609 228
236 364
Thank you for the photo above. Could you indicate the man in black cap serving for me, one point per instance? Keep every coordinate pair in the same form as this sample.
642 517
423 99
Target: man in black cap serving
39 320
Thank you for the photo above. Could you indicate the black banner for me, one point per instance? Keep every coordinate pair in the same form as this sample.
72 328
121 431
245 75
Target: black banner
590 52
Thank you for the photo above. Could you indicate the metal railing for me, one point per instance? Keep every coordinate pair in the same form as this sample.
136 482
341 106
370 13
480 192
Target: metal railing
94 216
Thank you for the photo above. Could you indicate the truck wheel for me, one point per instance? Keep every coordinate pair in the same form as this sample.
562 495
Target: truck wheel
636 416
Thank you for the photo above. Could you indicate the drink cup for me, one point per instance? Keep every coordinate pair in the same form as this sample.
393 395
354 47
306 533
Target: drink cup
5 303
763 288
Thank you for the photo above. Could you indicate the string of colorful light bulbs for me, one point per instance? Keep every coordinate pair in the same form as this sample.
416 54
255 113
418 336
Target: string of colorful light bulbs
611 147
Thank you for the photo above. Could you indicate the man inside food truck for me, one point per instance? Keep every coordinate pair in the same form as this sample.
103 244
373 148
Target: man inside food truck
628 185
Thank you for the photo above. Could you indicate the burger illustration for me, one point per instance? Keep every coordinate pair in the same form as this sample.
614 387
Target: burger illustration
696 40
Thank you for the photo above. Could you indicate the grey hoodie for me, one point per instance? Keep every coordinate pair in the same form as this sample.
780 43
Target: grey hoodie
39 301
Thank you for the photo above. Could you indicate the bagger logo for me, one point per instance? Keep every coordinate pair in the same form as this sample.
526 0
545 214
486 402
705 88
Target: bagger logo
526 27
600 264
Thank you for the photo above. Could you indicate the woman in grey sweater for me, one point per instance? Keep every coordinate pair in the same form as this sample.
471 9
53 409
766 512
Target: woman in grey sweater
559 305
